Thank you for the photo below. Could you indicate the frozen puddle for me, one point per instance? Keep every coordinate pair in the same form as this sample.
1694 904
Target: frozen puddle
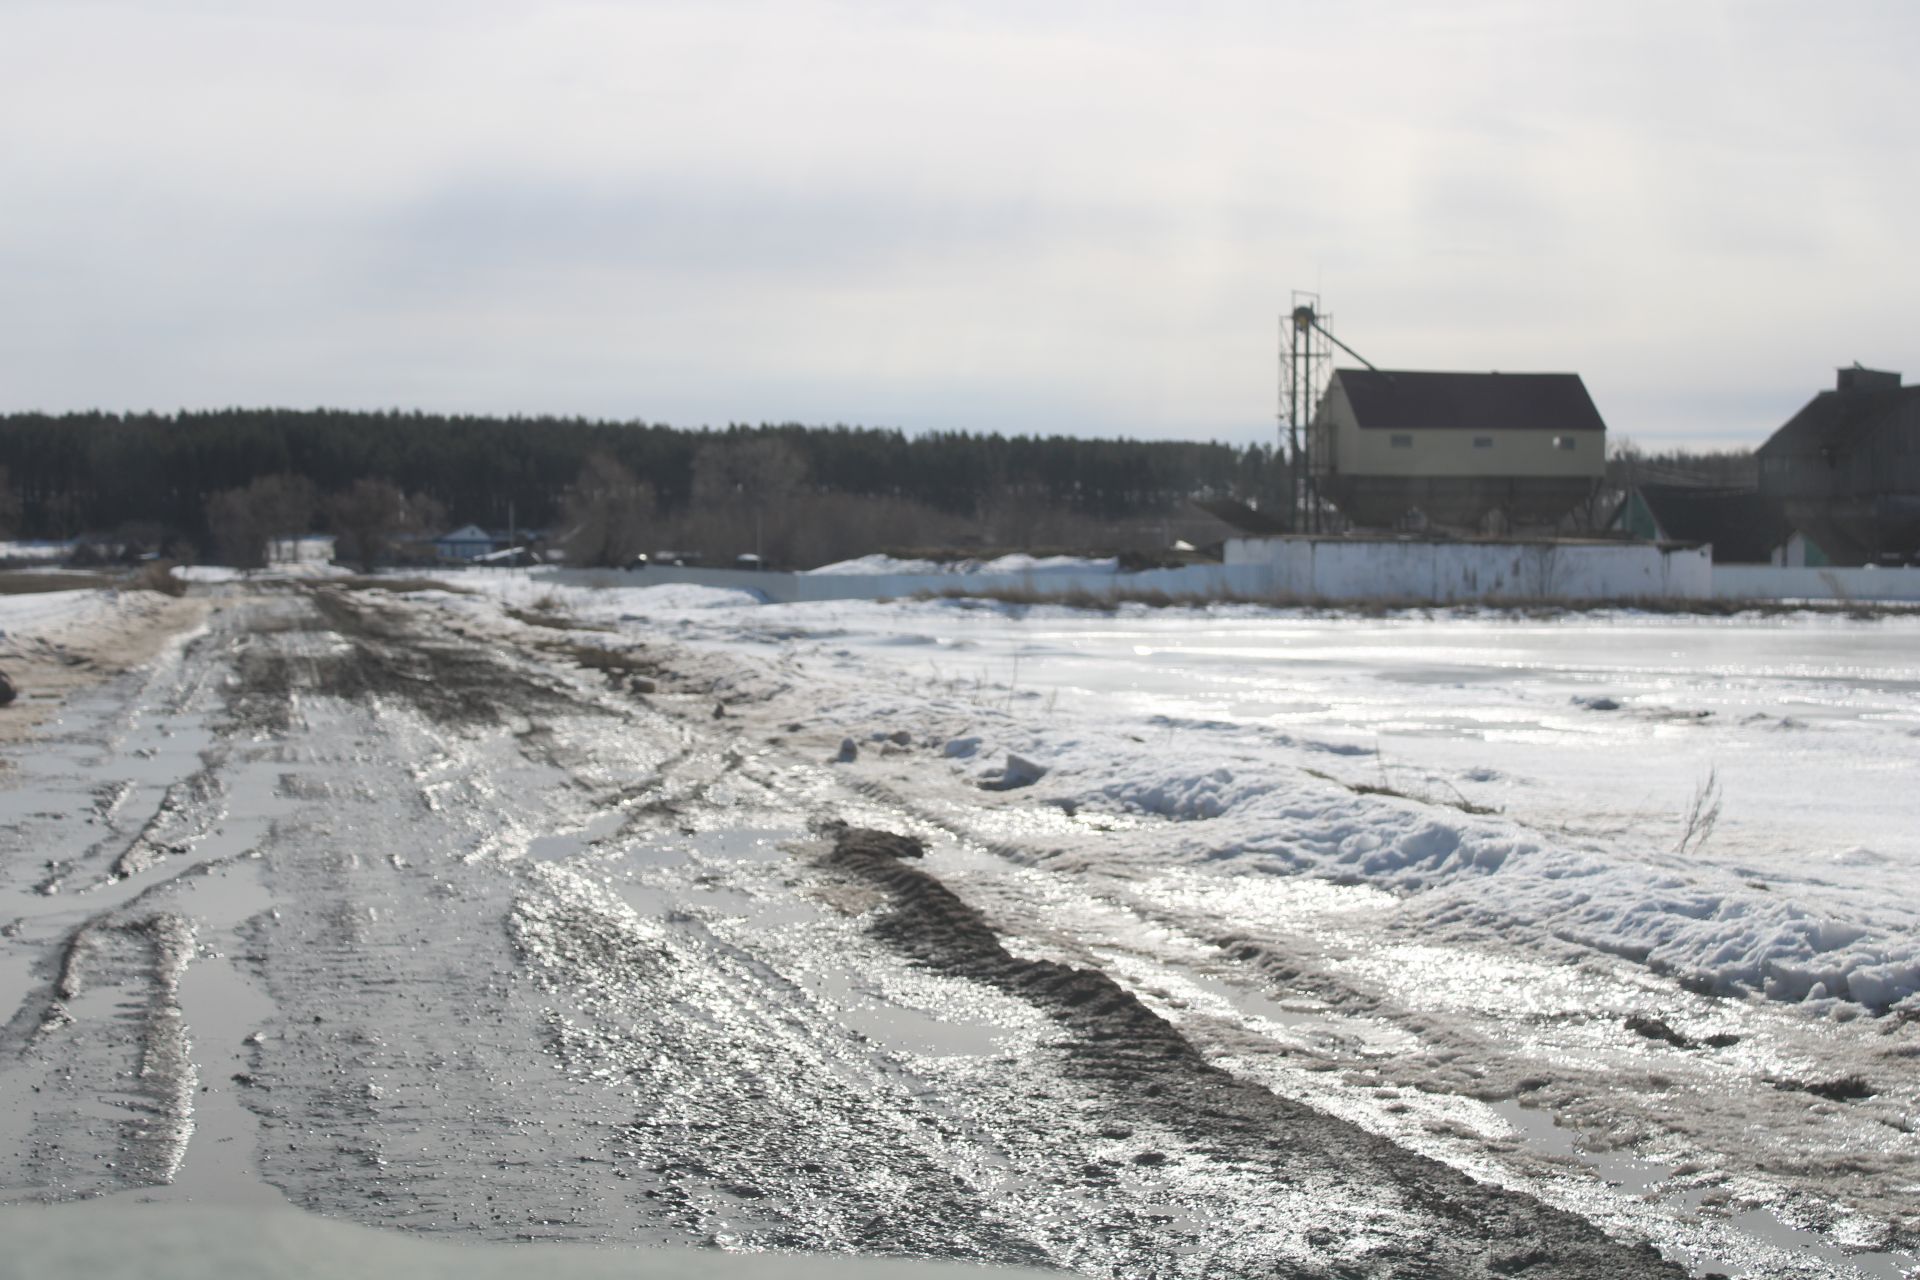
716 876
1752 1242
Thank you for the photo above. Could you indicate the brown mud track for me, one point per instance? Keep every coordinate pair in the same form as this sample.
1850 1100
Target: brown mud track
380 657
1145 1069
457 927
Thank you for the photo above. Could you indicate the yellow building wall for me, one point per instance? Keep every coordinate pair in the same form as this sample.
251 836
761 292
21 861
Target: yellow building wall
1341 447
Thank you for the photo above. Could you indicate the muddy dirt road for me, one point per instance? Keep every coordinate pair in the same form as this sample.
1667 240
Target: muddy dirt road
496 931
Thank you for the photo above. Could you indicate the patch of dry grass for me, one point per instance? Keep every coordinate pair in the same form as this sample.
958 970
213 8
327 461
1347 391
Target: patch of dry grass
553 620
156 575
22 584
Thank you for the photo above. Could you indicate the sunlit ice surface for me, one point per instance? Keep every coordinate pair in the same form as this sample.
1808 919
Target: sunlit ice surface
1601 727
1697 766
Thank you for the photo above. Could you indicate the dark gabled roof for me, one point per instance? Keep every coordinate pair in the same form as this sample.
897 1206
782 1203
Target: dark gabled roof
1398 400
1838 419
1743 525
1241 517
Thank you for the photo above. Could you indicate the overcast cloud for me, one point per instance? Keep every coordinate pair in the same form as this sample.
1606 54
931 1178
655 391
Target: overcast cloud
949 216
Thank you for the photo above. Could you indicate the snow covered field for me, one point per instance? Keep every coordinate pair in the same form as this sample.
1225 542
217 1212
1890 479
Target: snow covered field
43 613
1701 828
1739 798
1191 942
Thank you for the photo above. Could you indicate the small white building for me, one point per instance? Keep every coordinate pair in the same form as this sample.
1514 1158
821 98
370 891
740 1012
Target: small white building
464 543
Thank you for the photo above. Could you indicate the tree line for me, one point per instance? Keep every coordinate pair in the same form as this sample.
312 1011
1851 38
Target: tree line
219 483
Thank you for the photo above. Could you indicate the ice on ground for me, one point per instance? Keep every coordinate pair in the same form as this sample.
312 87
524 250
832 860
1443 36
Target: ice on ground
684 595
535 589
1444 757
1483 875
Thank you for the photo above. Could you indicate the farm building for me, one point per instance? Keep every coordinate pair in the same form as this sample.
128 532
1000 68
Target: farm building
1847 469
1471 451
465 543
1743 526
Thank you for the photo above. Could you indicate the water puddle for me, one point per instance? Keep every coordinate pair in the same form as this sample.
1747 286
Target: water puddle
901 1028
560 846
1757 1238
222 1008
742 844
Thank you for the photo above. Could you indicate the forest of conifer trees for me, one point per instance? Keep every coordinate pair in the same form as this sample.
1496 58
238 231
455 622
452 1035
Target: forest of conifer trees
185 482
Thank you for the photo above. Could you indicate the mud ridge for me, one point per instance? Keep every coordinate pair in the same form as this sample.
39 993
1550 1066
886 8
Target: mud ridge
930 923
111 1029
1149 1070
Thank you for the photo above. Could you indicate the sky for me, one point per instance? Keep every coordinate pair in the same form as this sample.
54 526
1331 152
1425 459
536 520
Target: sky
1069 218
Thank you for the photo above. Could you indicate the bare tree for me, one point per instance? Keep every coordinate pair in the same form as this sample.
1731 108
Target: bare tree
9 504
743 496
608 515
244 522
369 517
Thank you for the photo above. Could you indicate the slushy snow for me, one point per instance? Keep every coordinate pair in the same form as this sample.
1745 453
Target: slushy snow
1272 742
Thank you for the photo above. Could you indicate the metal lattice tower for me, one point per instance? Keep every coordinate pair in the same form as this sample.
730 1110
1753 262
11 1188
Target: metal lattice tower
1306 359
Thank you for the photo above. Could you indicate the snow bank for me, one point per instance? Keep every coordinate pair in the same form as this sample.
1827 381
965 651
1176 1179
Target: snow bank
1018 562
41 552
867 566
1022 563
44 611
671 597
1221 725
280 570
537 590
1467 875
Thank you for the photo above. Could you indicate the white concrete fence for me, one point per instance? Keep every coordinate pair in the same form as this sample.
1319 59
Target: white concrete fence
1345 570
1461 572
1769 582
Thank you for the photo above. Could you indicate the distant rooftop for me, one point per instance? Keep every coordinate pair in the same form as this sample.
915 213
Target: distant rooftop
1406 400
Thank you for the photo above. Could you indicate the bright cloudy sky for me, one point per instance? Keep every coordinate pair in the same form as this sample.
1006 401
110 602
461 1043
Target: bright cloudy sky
1027 217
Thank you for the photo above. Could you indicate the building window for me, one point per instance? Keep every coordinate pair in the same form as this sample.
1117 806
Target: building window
1483 442
1401 442
1564 442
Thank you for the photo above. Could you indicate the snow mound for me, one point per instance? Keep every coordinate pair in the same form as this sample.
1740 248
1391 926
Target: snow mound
874 565
42 552
1019 562
1016 562
217 573
686 595
44 611
1471 875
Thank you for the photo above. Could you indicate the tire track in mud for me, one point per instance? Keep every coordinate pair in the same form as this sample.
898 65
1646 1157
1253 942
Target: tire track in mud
472 1037
1142 1044
754 1126
95 1055
372 651
1126 1050
1554 1059
409 1075
113 1103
